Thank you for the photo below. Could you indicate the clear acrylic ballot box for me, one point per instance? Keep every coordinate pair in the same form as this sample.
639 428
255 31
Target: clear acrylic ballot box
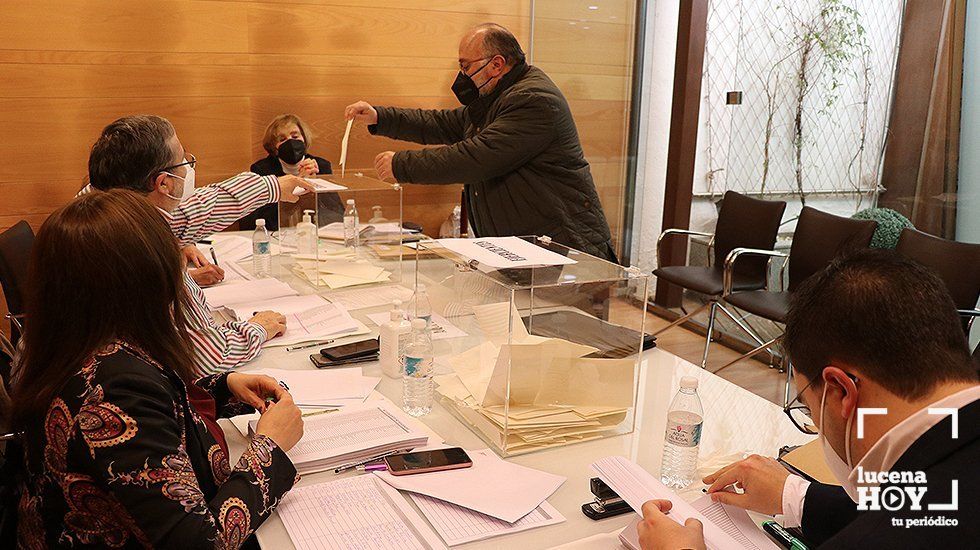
533 356
311 234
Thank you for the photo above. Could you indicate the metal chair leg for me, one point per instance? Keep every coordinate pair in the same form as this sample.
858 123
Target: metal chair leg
684 318
749 354
711 327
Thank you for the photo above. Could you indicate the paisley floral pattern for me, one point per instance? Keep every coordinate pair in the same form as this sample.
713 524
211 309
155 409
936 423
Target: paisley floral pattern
104 425
234 518
116 463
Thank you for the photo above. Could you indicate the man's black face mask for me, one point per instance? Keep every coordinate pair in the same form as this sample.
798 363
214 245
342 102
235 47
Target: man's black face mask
465 89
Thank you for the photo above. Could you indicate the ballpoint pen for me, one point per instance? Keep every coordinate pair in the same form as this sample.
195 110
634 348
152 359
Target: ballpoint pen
213 255
309 345
352 465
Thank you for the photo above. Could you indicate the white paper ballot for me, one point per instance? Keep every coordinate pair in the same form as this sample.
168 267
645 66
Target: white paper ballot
343 148
492 486
504 252
324 387
320 185
457 525
242 291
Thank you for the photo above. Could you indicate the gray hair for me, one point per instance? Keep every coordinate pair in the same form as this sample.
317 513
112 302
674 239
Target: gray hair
130 152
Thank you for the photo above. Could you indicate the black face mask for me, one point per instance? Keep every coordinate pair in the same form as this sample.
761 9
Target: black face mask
465 89
291 151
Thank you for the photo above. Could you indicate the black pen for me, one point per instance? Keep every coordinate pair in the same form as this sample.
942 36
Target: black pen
213 255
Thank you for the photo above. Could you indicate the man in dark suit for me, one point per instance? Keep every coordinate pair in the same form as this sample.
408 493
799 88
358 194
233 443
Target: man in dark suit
882 362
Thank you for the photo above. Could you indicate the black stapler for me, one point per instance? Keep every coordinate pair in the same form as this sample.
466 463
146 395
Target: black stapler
606 504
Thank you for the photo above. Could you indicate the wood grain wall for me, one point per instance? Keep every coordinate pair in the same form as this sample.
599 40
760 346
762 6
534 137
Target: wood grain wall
221 69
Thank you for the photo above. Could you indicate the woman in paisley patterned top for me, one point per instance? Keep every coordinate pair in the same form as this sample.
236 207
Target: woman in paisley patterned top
115 454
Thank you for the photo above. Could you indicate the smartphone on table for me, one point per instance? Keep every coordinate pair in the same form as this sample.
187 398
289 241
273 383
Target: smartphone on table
344 352
421 462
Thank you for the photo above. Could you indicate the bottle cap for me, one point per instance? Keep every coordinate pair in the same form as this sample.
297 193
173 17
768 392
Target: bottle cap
397 303
260 222
418 323
350 202
310 212
689 382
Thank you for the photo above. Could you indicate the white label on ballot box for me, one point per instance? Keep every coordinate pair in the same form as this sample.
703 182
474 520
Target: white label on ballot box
684 428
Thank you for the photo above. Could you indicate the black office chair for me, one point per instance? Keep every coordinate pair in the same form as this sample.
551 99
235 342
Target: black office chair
956 263
15 253
819 238
743 222
11 451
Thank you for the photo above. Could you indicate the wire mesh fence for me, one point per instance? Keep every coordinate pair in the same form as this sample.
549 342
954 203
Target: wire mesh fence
815 78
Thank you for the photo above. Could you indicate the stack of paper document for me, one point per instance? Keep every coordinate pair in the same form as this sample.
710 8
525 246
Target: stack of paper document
246 291
353 434
354 512
339 269
325 388
493 497
363 298
557 394
725 527
308 318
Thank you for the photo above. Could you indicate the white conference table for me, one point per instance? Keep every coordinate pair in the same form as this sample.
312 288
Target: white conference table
736 422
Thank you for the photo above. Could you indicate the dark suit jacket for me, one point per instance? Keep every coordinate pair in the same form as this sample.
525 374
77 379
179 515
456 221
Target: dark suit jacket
270 166
830 518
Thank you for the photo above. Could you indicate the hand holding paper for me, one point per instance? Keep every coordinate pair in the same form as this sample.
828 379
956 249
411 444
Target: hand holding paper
343 148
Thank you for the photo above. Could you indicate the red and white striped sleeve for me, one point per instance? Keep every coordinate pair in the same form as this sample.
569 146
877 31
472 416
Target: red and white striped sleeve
219 348
214 207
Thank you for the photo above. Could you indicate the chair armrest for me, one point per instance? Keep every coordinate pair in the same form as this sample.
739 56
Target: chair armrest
16 320
970 315
729 273
668 232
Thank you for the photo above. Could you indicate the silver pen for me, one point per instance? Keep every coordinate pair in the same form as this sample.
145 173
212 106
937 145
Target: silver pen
352 465
310 345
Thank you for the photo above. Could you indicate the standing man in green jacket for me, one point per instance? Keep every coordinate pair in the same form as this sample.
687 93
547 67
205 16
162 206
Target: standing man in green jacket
513 143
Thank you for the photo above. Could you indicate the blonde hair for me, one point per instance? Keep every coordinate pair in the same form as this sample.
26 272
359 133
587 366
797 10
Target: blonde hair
273 131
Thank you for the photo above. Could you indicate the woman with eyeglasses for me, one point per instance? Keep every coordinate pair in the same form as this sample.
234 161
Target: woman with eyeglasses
115 453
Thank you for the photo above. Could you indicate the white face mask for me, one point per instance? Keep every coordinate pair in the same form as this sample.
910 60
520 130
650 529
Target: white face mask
841 469
188 180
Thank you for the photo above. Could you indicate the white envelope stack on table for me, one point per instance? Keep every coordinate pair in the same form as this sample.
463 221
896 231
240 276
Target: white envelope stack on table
557 394
339 269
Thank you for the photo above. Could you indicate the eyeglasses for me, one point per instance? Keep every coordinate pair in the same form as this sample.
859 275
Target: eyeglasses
465 65
800 414
192 163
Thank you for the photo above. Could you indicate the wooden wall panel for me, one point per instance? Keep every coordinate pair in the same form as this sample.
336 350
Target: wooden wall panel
221 69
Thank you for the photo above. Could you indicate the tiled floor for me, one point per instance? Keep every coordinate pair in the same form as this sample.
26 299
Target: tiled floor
750 374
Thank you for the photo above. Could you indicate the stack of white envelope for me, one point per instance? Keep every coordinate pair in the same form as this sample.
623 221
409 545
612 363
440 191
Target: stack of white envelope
339 269
557 395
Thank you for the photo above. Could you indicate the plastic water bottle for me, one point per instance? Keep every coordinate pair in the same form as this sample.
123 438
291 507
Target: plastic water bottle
351 223
417 384
684 422
419 307
261 250
457 218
